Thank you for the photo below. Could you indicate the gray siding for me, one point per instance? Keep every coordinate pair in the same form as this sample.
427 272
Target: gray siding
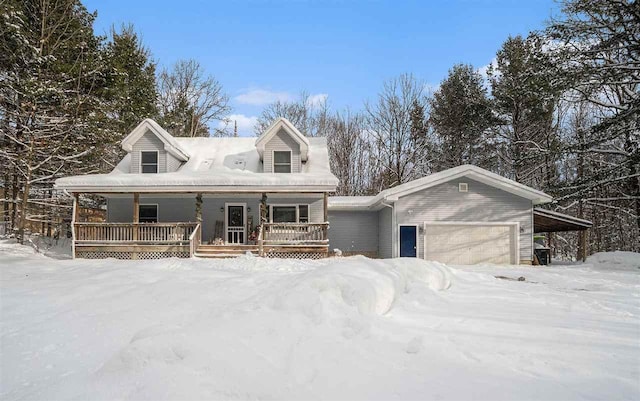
211 212
385 231
148 142
182 209
173 164
315 202
482 203
170 210
353 231
282 141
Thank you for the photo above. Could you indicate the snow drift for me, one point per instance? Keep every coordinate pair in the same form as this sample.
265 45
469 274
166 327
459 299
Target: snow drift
341 328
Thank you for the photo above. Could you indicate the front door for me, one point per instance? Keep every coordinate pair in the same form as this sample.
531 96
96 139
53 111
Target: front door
236 223
408 242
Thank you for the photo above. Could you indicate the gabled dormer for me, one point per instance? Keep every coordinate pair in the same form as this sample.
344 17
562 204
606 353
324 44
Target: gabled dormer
153 150
282 148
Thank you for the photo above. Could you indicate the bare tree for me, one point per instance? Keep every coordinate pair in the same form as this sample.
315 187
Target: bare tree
190 100
598 48
350 154
399 152
308 116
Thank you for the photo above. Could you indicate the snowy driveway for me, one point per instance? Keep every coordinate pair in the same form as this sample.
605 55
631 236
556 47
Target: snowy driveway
347 328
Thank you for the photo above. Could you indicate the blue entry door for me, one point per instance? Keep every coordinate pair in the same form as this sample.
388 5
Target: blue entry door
408 245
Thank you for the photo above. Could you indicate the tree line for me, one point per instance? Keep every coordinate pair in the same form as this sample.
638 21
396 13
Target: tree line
69 96
556 110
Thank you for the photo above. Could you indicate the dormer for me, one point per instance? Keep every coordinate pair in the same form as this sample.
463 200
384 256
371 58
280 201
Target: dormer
282 148
153 150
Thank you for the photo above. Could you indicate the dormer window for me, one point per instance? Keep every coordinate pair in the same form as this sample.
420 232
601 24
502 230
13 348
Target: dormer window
149 162
281 161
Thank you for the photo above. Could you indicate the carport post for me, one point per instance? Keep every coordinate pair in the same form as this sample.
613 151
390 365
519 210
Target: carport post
582 245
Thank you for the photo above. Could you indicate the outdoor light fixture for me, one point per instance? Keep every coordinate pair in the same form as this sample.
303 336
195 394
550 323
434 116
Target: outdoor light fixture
222 210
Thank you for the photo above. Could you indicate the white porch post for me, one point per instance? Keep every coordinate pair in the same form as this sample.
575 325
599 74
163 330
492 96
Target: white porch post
136 220
74 218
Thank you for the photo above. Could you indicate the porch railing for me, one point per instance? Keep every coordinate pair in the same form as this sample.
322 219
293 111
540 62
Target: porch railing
148 233
295 233
195 239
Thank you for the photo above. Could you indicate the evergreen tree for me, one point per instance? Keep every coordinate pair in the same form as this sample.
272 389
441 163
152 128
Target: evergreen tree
51 69
525 94
461 116
130 90
131 81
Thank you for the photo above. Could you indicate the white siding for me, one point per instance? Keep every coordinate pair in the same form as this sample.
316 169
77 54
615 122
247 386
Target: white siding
482 203
148 142
282 141
353 231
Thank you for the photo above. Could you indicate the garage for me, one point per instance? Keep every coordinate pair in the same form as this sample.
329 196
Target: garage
471 243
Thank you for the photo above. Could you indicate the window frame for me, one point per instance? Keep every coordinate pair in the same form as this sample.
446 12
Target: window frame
157 163
157 212
297 206
274 164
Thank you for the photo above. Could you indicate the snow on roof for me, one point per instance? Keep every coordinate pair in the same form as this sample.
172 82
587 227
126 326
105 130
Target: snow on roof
283 123
467 170
350 202
231 164
545 220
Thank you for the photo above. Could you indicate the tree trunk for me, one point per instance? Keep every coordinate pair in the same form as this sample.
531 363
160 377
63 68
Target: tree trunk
23 206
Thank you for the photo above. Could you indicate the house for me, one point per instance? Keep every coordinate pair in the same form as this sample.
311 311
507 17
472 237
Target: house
461 216
220 197
180 196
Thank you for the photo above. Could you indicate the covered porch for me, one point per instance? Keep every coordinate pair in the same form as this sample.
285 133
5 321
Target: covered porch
156 225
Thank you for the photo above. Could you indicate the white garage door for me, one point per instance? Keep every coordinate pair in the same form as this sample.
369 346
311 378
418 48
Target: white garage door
470 244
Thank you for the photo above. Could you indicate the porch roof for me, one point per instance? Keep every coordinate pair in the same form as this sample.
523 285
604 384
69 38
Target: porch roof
549 221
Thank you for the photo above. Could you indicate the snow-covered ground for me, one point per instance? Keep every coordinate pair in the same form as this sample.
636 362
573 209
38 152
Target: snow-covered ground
342 328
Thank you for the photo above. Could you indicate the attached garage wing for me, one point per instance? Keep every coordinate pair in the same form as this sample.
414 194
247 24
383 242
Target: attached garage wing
471 243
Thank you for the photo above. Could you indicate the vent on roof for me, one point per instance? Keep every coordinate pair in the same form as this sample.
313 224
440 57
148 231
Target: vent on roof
463 187
240 163
205 165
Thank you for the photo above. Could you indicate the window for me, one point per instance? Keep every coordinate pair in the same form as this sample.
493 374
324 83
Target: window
281 161
303 213
463 187
289 213
149 162
148 213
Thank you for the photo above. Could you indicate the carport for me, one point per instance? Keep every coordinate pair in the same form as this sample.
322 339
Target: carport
547 221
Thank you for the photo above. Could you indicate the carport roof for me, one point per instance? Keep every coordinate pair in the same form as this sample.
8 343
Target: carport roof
549 221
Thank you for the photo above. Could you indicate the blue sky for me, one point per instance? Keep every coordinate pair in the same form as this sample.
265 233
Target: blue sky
266 50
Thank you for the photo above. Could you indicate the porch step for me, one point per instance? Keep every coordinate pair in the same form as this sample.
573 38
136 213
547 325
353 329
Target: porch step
218 255
225 251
